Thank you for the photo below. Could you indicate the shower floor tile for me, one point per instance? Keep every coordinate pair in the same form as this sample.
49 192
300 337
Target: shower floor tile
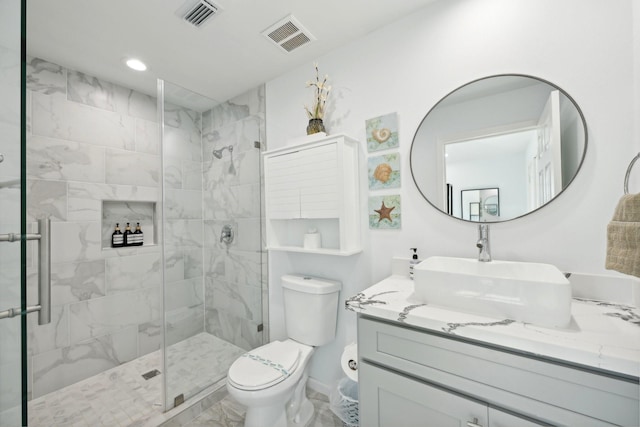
122 397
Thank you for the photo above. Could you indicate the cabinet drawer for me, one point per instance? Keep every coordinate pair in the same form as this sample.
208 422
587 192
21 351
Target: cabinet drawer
525 384
388 399
391 400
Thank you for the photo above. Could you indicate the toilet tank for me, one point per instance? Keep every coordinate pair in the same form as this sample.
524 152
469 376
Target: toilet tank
310 309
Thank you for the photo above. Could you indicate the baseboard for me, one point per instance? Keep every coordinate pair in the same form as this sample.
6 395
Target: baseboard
318 386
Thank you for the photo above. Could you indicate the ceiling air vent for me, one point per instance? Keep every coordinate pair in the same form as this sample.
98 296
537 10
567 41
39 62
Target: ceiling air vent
288 34
198 13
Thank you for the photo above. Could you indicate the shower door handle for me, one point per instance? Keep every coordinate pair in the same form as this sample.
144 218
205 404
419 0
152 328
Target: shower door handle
44 272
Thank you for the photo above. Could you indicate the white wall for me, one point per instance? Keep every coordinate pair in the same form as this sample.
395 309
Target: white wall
584 46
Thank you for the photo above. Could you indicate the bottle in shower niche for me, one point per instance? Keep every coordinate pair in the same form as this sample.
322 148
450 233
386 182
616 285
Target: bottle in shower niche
137 238
127 235
117 238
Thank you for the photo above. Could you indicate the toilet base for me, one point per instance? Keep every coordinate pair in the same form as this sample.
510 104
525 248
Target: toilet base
304 415
275 416
296 411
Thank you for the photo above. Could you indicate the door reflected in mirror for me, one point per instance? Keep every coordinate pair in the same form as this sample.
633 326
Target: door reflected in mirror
517 135
482 204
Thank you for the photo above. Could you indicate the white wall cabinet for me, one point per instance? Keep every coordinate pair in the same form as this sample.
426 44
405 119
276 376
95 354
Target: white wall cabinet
413 377
314 185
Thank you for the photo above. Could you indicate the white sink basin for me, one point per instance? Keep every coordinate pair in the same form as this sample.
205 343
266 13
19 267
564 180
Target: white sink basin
534 293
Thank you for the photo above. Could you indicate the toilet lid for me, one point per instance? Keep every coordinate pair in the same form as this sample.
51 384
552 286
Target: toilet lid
265 366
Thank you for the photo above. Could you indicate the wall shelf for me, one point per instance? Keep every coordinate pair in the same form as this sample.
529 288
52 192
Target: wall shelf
319 251
314 185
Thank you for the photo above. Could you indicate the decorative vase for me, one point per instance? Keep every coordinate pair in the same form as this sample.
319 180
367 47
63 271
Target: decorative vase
315 126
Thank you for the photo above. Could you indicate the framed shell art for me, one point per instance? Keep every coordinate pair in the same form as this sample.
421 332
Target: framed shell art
384 171
382 132
384 212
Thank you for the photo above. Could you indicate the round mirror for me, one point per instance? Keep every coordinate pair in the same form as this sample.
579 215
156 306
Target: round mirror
498 148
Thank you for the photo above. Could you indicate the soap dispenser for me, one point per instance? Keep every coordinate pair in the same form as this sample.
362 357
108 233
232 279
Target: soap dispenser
413 261
137 237
117 238
127 235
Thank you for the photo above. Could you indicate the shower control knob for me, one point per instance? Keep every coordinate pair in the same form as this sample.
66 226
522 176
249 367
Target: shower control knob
226 235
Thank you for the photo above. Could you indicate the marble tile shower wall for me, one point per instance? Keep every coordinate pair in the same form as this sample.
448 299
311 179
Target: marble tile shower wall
90 141
184 274
236 281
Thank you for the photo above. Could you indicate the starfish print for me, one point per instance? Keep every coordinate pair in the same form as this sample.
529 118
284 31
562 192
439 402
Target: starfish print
384 212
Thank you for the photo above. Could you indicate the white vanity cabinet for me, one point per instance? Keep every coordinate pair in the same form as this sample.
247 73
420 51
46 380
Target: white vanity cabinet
414 377
398 400
390 399
314 185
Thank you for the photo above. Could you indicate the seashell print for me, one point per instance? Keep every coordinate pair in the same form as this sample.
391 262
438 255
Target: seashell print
383 172
381 135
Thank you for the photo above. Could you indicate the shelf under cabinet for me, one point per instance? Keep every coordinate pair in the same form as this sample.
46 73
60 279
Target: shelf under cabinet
319 251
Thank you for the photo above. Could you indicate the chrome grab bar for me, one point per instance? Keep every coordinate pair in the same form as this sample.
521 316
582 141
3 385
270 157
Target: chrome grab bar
44 272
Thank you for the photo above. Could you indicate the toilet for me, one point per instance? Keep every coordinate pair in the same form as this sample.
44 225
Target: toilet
271 380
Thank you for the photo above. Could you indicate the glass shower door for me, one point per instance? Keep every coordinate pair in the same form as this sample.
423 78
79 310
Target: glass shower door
12 303
214 266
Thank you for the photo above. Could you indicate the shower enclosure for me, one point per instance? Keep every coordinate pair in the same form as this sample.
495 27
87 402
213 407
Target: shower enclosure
12 303
214 268
150 326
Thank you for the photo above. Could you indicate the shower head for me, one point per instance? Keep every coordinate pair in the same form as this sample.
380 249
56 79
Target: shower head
218 153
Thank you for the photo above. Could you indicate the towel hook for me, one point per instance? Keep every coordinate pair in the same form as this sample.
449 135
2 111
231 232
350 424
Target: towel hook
626 177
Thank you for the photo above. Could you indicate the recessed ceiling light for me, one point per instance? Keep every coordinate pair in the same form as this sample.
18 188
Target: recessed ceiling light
136 64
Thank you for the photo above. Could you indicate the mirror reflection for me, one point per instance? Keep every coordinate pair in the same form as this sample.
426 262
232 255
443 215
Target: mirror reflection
498 148
482 204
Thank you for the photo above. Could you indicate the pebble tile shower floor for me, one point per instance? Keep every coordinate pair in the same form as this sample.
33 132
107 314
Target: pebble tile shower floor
122 397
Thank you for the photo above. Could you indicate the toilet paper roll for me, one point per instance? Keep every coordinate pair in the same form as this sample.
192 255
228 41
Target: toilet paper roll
312 241
349 361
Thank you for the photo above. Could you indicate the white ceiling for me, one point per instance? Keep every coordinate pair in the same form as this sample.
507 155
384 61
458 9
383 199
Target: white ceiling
224 58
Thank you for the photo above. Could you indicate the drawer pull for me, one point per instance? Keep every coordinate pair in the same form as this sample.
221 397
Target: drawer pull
473 423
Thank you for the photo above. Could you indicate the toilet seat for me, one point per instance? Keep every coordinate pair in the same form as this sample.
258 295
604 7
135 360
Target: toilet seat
265 366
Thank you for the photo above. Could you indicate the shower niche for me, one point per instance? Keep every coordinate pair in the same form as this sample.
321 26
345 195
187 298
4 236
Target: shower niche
132 212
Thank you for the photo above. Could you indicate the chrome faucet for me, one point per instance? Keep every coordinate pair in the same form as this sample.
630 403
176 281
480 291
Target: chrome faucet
483 243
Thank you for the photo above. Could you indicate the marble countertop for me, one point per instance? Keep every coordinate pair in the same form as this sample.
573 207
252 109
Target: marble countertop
601 335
